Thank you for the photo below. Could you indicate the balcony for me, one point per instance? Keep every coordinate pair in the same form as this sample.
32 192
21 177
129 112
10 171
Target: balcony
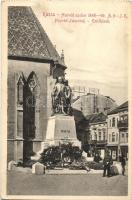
123 124
101 142
98 142
123 140
92 142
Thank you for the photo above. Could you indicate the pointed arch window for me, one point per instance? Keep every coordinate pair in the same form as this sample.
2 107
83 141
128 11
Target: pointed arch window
32 81
31 107
20 85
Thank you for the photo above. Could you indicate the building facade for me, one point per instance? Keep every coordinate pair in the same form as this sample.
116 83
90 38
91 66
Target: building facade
118 131
92 132
99 131
98 134
113 134
123 129
33 65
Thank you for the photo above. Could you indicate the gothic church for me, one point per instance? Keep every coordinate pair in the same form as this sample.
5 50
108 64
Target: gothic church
33 65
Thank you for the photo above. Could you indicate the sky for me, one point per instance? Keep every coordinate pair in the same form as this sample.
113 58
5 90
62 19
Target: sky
96 54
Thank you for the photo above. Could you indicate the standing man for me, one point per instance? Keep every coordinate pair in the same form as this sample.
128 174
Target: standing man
123 164
68 94
107 164
58 98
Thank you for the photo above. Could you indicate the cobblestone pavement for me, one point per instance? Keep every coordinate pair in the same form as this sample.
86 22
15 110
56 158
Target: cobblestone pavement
20 183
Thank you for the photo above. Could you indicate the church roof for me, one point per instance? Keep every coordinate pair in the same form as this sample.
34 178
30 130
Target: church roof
27 38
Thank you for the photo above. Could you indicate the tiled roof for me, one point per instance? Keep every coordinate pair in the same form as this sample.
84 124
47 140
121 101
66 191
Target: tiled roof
96 118
27 38
91 119
123 106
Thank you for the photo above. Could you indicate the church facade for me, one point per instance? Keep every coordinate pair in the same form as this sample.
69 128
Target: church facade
33 66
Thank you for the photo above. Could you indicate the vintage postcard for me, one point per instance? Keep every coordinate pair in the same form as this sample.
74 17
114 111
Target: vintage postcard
66 99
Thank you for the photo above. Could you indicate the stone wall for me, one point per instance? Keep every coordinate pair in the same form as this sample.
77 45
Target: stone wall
42 71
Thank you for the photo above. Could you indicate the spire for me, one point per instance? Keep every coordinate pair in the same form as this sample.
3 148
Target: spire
62 56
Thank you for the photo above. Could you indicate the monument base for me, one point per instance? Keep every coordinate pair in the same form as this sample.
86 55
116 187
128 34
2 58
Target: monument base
48 143
60 130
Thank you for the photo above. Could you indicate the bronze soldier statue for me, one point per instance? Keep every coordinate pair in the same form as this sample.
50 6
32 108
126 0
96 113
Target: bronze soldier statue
61 97
68 95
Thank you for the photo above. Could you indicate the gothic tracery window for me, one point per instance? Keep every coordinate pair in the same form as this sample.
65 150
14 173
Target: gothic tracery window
31 106
19 97
20 85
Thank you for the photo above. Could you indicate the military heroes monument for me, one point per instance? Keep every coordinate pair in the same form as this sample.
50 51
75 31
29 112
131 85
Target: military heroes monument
61 125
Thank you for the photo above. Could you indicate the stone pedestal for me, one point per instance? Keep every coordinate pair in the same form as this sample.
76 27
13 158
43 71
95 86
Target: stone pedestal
61 129
12 165
38 169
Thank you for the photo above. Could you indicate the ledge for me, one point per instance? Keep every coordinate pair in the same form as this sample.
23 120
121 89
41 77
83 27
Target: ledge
15 139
